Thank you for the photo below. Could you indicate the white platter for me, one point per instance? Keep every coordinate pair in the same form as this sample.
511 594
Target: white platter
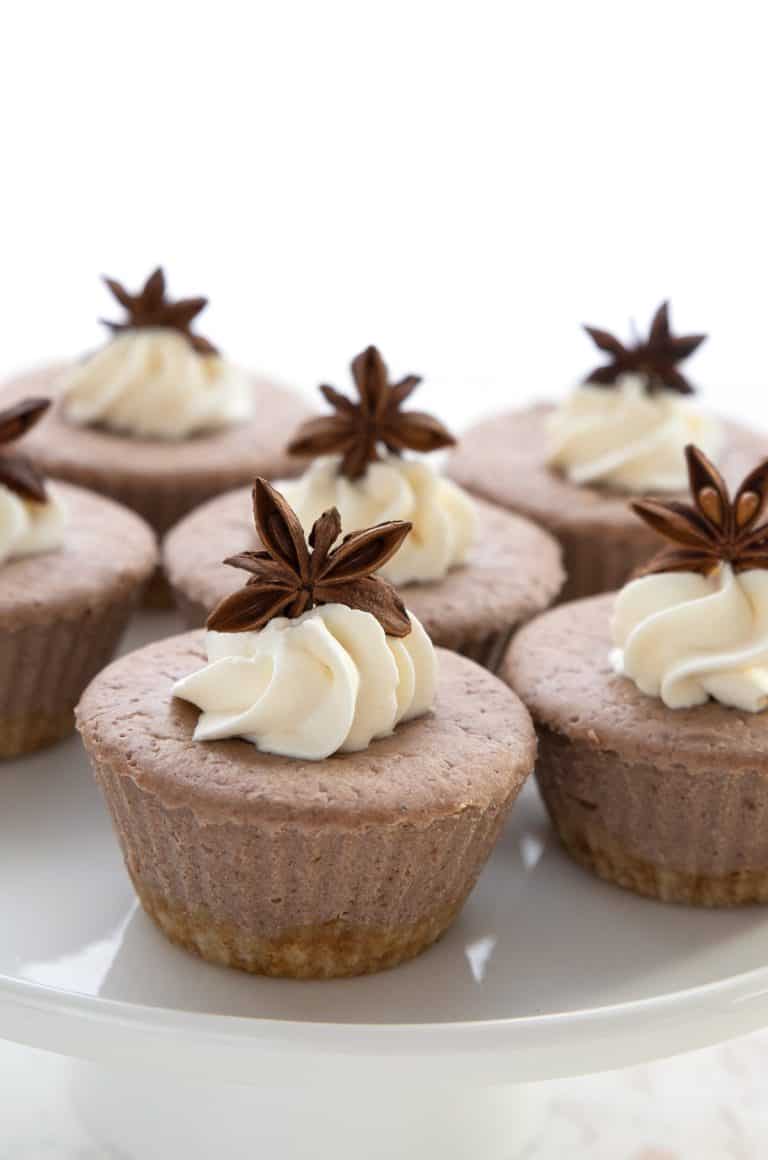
547 973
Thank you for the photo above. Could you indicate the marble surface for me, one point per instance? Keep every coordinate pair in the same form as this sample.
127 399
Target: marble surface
708 1105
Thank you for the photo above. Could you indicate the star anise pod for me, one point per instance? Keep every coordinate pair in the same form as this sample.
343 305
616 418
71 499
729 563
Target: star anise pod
714 529
151 308
655 358
288 578
16 471
356 429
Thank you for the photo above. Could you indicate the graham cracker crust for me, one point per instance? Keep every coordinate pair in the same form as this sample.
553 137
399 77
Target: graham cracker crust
595 850
31 731
329 951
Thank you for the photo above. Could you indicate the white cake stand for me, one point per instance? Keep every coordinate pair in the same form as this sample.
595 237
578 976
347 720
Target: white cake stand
547 973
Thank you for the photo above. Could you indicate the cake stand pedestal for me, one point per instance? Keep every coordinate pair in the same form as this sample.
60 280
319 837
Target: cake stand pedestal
547 973
356 1120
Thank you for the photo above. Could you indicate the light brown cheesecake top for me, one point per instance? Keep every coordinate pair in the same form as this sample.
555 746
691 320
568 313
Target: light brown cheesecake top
513 569
504 459
106 548
559 665
472 752
227 456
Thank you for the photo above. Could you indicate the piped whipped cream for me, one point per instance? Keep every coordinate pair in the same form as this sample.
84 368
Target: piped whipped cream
685 637
327 681
624 437
29 528
394 488
150 382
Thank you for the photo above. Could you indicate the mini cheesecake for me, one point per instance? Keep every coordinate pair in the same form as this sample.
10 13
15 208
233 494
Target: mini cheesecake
297 868
650 706
470 571
513 574
306 790
73 566
157 419
573 468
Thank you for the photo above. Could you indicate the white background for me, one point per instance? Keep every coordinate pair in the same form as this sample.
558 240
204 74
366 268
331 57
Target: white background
460 183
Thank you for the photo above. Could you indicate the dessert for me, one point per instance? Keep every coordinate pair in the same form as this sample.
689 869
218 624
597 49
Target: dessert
287 800
72 567
652 753
622 432
357 463
156 418
470 571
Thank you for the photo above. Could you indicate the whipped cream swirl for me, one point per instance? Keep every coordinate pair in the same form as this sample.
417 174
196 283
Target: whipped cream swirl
686 637
442 515
151 383
27 527
307 687
624 437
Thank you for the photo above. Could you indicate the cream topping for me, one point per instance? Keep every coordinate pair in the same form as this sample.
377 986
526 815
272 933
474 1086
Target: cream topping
306 687
151 383
27 527
625 437
442 515
685 637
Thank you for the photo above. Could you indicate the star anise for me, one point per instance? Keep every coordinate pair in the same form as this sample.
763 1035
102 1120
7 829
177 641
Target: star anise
356 429
714 529
16 471
151 308
288 578
655 358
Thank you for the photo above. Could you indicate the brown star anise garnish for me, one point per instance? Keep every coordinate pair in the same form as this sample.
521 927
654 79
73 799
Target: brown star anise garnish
16 471
356 429
714 529
288 578
655 358
151 308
